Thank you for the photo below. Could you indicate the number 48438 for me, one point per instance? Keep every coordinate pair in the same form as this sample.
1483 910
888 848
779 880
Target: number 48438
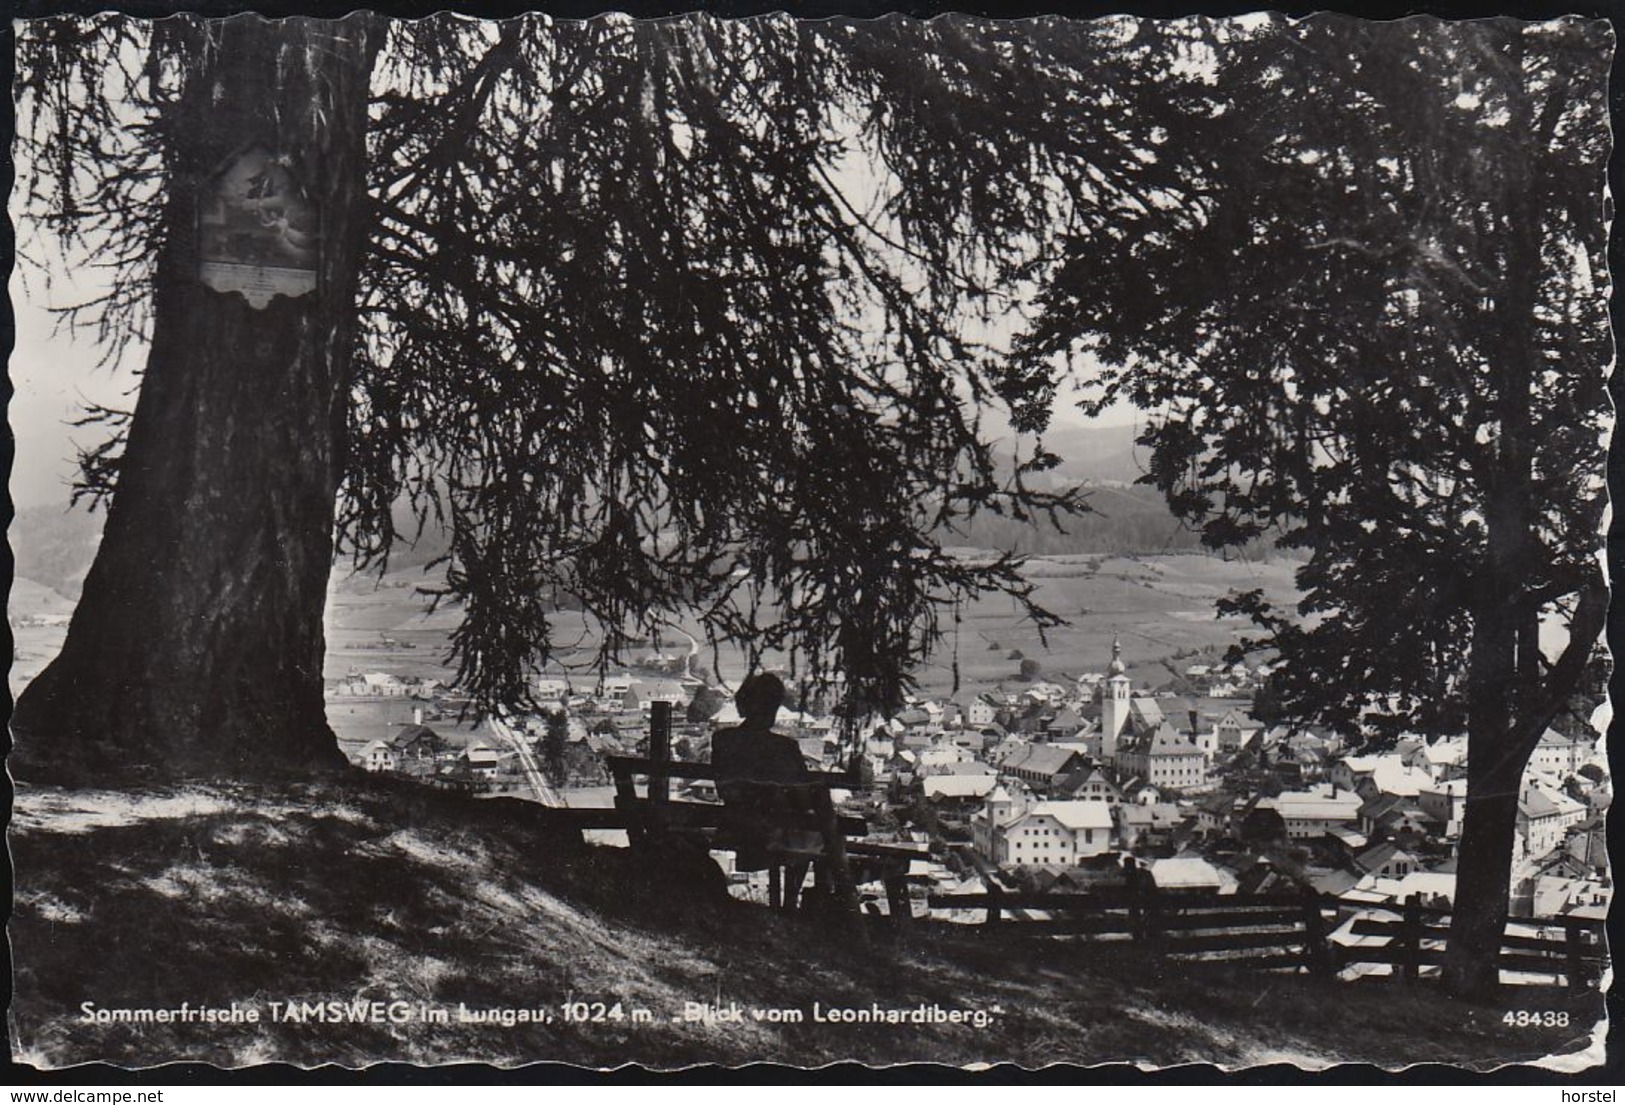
1524 1018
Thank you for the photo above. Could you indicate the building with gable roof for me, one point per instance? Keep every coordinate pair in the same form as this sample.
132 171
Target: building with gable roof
378 756
1040 765
1543 818
1095 787
1051 833
1445 803
1559 755
1164 758
1312 813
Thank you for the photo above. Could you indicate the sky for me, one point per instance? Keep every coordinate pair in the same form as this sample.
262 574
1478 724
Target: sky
54 373
52 377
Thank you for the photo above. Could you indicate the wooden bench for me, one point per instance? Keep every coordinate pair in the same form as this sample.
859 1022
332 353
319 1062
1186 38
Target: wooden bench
654 815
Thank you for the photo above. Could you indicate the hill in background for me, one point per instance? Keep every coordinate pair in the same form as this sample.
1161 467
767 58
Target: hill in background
53 546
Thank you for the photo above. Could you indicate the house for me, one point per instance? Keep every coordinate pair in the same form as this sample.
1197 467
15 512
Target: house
1446 804
1543 818
1389 775
1263 877
1215 812
1045 692
1310 813
978 711
942 757
1189 874
481 759
416 743
1559 755
959 788
1136 791
643 695
1164 758
550 689
1002 805
1586 844
1392 815
1095 787
812 749
1348 772
382 684
1440 759
1387 860
1040 765
616 685
378 756
1064 724
1140 827
1557 895
1048 833
1232 732
1348 841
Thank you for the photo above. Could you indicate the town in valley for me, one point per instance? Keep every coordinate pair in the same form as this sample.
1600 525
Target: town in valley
1040 781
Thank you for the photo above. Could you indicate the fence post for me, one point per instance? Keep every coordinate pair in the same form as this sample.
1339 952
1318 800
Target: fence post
1315 952
659 751
898 906
1579 972
994 893
840 874
1153 912
1411 939
1133 886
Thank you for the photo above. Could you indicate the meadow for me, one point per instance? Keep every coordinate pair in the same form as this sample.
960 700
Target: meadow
1161 607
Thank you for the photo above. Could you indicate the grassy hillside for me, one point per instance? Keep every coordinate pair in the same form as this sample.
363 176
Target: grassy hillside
353 891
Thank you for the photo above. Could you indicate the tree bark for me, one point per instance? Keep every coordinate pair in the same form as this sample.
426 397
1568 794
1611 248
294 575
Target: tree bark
1483 869
1503 663
196 649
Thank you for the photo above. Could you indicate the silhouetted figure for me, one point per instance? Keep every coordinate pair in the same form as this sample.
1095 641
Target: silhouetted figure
754 766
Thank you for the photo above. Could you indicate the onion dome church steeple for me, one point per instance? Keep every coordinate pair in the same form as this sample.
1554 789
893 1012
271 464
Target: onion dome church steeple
1114 704
1117 667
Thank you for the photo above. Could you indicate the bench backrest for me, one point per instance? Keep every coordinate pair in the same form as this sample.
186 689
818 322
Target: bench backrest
627 766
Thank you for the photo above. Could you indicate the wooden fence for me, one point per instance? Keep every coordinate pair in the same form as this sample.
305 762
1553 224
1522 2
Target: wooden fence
1417 939
1278 930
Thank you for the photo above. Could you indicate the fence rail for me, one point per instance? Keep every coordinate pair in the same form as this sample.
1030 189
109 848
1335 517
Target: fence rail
1281 930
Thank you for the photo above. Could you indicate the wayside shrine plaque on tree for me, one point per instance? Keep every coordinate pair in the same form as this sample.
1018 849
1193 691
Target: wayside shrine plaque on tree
258 232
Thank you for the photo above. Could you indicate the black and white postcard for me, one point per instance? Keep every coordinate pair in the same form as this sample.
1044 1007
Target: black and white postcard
714 540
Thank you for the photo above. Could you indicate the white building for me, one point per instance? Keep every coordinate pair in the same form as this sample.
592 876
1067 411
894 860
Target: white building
1446 803
378 756
1013 831
1543 818
1310 813
1559 755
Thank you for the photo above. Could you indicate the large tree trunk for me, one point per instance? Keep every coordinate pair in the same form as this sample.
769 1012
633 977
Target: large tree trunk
196 648
1503 678
1483 870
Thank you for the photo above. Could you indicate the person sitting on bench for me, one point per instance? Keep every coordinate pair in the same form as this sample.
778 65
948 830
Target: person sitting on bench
757 771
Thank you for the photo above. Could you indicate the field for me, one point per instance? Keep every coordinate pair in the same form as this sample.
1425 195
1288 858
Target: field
1161 607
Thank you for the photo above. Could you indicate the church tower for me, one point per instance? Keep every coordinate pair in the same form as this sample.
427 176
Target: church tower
1114 704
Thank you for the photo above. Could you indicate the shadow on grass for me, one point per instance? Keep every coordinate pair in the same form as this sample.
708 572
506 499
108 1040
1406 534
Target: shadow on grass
394 893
